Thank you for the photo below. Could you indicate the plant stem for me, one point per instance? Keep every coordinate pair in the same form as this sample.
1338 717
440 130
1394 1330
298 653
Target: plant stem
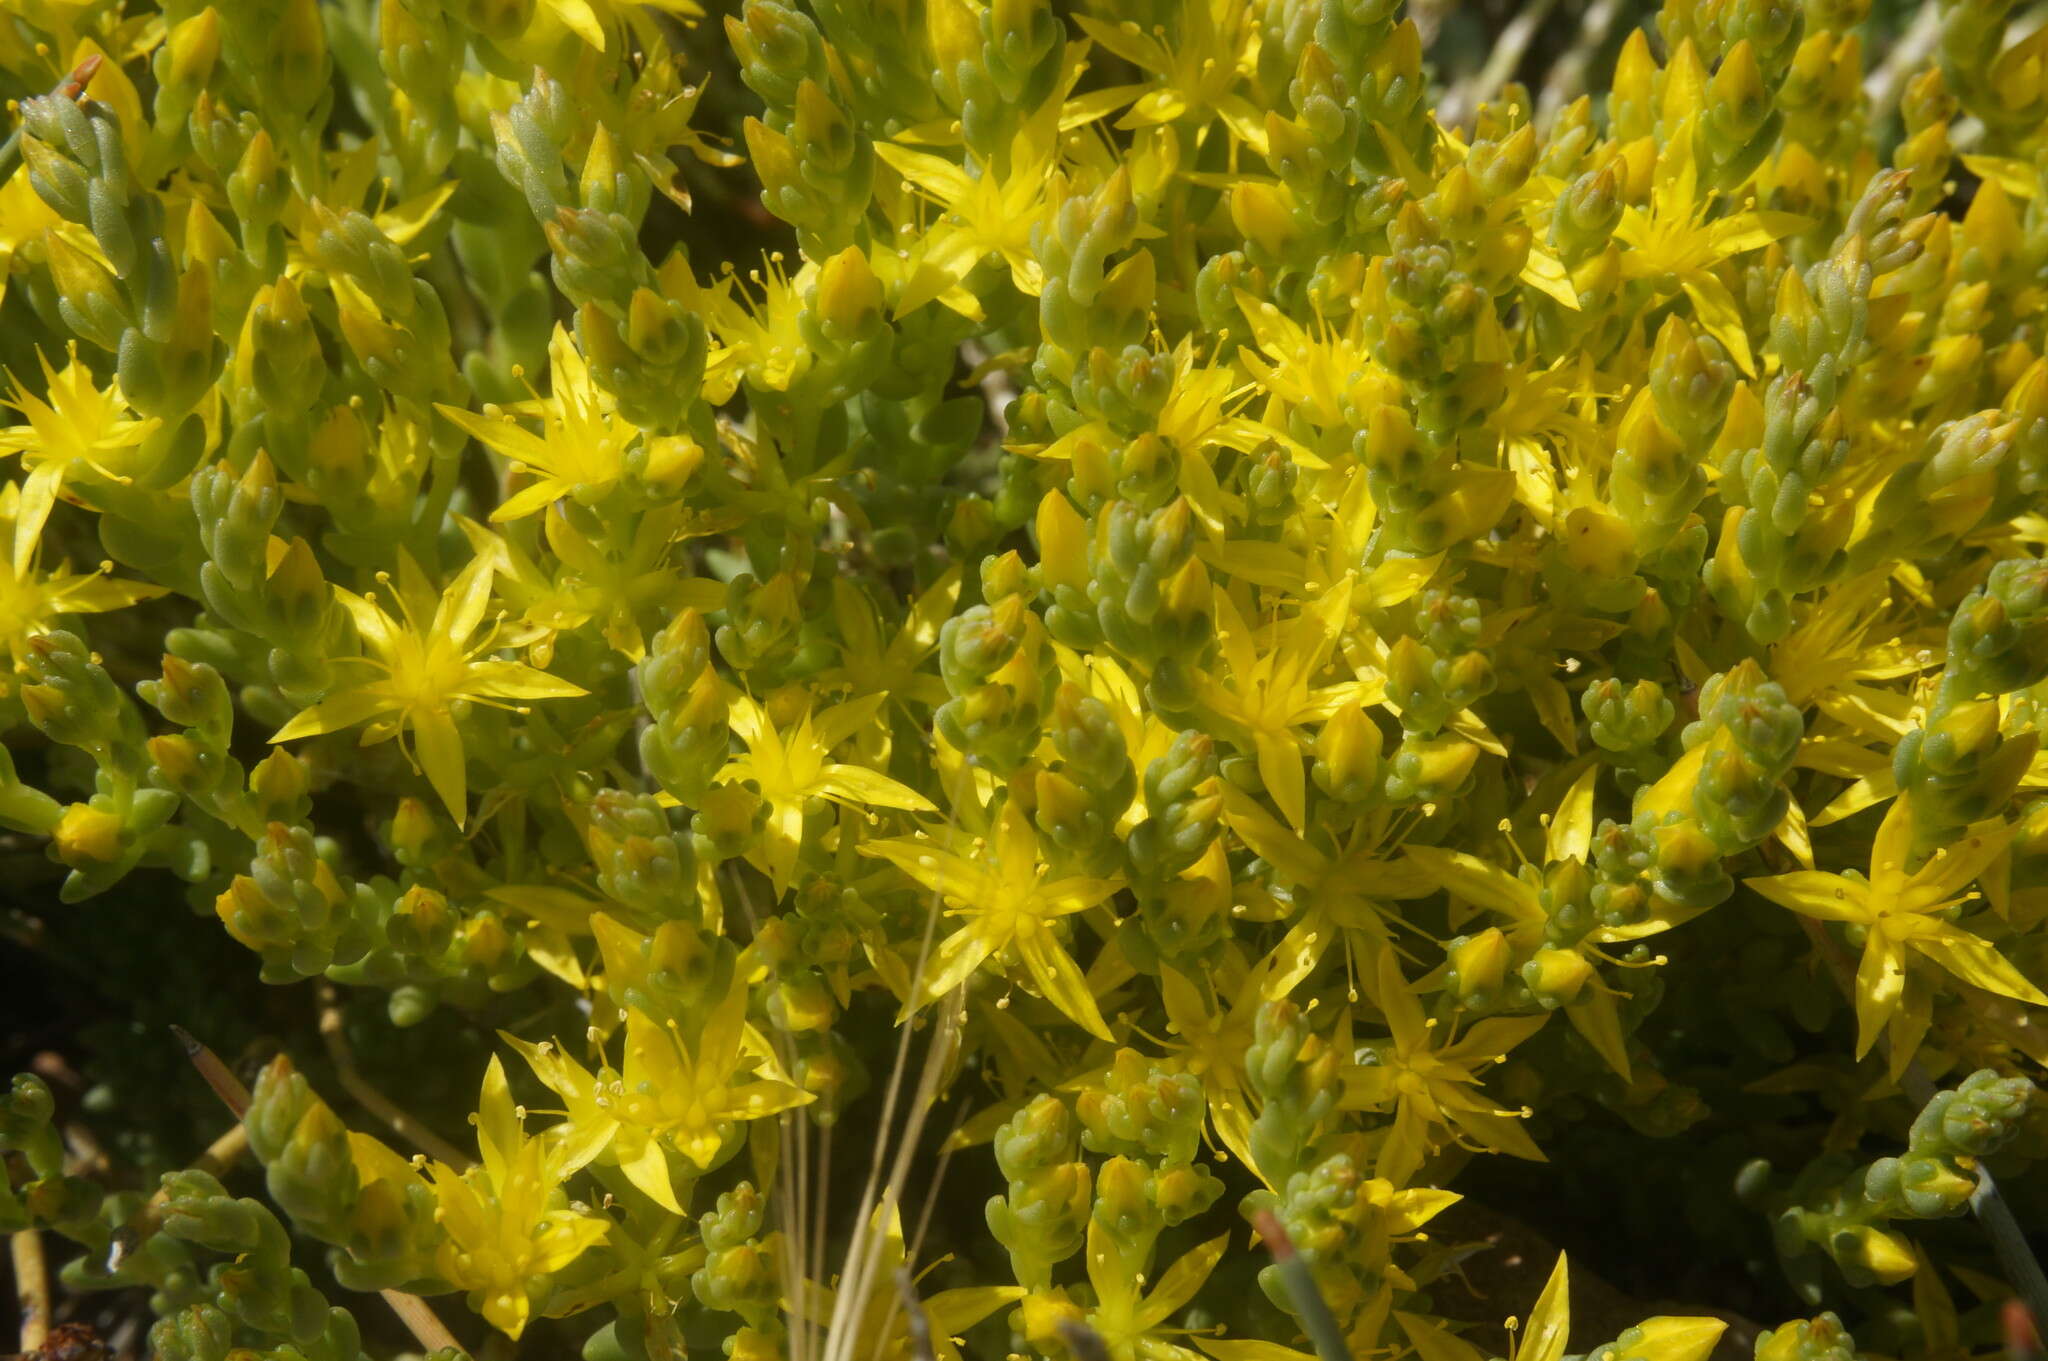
417 1315
402 1123
31 1287
2015 1254
225 1084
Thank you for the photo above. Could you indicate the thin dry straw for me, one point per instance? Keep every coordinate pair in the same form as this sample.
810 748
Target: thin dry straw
861 1261
931 1195
857 1272
798 1172
1462 100
858 1269
1567 78
944 1044
225 1084
1908 55
792 1148
816 1245
31 1287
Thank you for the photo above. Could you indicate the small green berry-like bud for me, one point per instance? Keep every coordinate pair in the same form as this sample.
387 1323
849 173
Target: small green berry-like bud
1868 1254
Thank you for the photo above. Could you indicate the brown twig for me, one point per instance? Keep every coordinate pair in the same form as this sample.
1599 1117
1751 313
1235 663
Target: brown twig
412 1311
225 1084
31 1287
369 1097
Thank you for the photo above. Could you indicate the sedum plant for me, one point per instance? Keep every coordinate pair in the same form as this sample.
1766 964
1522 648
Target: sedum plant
1229 632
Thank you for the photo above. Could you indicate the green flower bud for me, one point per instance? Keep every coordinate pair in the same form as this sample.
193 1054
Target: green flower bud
1556 977
304 1149
89 298
1144 1108
1817 1339
199 1333
1998 637
1870 1255
1347 764
1429 769
641 864
1044 1217
1478 966
259 186
71 699
185 63
1185 809
1626 719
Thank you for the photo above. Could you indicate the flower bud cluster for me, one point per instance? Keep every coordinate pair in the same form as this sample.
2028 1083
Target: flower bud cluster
1281 613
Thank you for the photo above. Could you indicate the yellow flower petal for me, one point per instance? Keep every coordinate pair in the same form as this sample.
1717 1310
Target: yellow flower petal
864 788
957 957
1715 310
1880 985
497 1119
1550 1322
332 715
580 19
1669 1337
1974 960
517 680
1060 980
1594 1016
1815 893
1180 1282
1434 1343
647 1168
1570 834
1477 882
437 744
1955 865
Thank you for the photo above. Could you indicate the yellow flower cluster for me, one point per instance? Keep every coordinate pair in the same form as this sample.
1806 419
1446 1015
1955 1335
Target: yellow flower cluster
1163 606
